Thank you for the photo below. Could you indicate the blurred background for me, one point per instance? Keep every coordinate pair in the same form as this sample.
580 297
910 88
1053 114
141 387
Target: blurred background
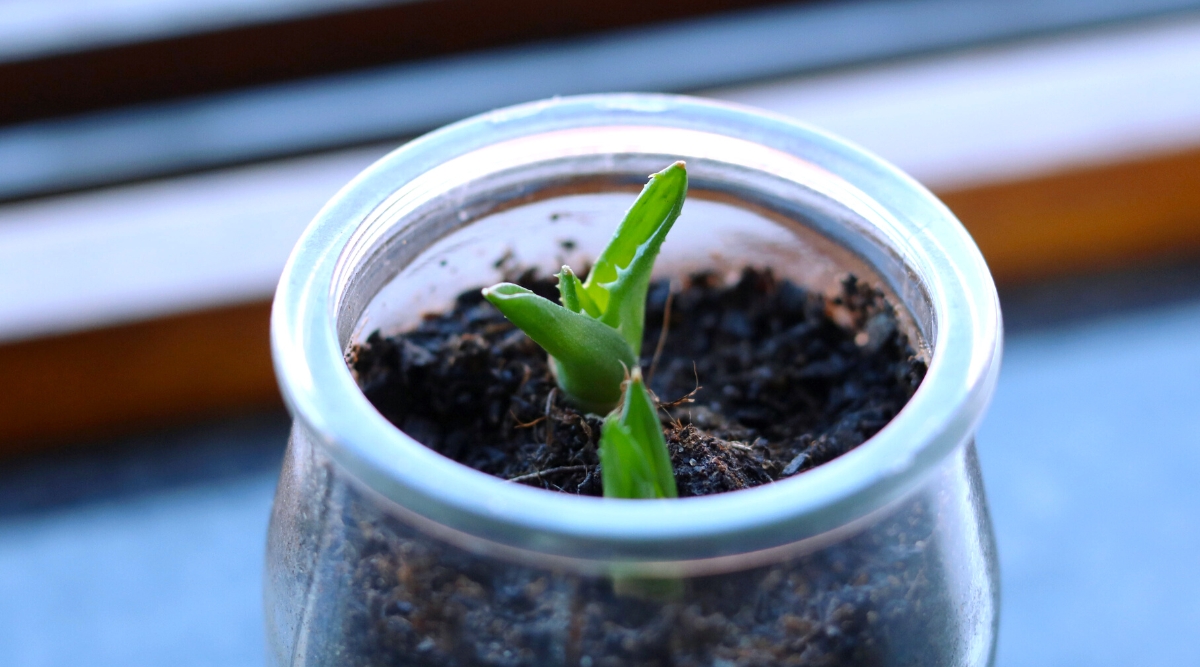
158 159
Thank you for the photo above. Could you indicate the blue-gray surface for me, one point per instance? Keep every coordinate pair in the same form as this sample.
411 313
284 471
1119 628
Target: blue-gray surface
1091 459
141 553
1091 454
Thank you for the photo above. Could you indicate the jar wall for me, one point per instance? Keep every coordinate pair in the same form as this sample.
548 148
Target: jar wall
352 582
379 567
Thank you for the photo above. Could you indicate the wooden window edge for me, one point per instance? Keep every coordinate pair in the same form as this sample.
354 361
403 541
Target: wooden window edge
217 361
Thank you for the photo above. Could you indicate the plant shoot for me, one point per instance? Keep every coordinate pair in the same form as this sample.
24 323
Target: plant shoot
594 339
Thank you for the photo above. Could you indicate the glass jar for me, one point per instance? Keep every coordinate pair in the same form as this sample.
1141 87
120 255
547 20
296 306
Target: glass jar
383 552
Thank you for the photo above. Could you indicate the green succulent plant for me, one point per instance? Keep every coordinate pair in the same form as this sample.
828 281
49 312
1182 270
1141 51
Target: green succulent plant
594 339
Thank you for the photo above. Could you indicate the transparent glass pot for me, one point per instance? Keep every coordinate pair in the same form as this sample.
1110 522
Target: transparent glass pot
383 552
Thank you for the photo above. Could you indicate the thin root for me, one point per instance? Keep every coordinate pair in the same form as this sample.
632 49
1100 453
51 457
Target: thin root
520 424
524 378
690 397
586 429
549 427
550 471
662 335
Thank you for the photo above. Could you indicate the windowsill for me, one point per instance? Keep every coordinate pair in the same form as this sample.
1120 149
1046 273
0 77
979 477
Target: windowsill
1017 139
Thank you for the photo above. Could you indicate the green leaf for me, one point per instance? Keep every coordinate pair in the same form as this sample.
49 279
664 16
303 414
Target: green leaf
661 589
574 298
619 280
634 462
590 358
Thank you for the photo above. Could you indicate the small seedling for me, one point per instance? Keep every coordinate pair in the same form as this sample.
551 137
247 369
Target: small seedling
594 339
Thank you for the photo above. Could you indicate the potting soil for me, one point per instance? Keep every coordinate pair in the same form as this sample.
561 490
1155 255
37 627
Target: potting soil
759 380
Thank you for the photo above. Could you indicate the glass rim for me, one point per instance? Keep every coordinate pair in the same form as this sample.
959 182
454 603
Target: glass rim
941 416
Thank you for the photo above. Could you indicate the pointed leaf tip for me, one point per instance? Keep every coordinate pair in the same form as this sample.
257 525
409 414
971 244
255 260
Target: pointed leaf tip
573 296
621 277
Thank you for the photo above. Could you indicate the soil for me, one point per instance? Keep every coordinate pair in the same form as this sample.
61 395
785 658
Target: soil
759 380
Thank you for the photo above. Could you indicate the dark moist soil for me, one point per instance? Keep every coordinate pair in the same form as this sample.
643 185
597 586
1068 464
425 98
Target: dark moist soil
787 380
759 380
876 599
